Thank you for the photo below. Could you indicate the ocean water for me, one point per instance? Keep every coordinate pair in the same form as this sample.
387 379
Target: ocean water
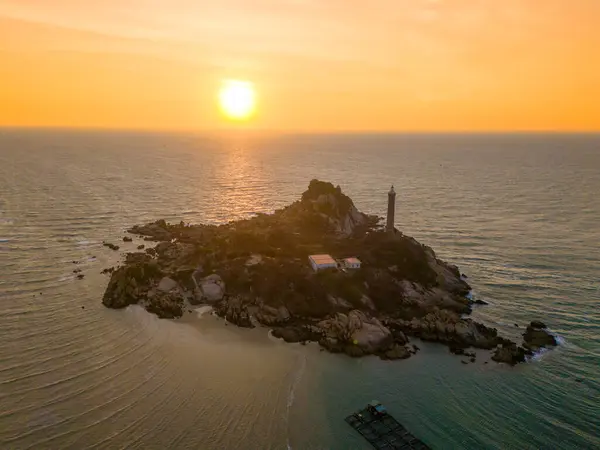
519 214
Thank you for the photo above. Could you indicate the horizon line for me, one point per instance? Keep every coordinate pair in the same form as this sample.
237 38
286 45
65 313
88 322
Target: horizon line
293 132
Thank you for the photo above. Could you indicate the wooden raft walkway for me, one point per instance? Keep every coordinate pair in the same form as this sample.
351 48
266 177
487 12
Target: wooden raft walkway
382 430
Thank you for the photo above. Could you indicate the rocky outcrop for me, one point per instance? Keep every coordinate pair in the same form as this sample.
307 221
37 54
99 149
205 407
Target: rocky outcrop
509 353
166 305
156 231
447 327
536 336
234 311
255 273
448 275
337 208
397 352
356 329
129 284
268 315
111 246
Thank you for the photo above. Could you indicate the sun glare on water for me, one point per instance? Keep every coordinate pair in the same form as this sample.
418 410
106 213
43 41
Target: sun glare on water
237 99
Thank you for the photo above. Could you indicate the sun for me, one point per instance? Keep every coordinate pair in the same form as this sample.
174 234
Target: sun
237 99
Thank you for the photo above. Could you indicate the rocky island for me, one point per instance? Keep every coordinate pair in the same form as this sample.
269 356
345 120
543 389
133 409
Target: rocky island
256 272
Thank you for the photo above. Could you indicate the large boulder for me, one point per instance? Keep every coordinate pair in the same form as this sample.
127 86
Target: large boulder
210 289
536 336
167 284
356 329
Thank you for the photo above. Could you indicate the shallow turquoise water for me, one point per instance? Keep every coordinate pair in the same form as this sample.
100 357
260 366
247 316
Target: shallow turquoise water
518 214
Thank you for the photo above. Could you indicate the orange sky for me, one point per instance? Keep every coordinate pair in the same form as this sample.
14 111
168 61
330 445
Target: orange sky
318 65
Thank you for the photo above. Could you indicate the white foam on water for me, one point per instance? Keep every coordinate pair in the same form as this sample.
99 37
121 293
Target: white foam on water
86 243
559 339
292 393
537 356
202 310
298 377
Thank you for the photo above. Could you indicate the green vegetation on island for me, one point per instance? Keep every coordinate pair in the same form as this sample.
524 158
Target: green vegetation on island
256 272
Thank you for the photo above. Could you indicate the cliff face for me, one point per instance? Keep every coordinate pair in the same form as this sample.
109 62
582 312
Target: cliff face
336 207
256 272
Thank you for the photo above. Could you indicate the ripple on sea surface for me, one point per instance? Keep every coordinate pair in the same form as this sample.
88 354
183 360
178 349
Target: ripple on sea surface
73 377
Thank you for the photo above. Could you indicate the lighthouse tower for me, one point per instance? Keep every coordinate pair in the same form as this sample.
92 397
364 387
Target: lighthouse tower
391 210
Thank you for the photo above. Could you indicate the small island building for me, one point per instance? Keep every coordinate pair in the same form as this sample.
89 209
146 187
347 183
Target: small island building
351 263
320 262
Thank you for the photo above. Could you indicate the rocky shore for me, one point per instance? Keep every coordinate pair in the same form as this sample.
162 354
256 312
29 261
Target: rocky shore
255 272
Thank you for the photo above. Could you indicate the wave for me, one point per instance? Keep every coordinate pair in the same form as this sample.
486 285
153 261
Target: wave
537 356
560 340
84 243
4 240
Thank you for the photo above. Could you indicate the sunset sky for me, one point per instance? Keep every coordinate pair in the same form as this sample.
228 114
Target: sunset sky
317 65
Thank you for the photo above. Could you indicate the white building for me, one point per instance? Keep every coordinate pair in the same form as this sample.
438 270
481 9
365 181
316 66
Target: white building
352 263
319 262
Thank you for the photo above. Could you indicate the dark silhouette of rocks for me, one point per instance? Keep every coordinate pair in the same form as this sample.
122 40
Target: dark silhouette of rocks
510 353
537 325
111 246
536 336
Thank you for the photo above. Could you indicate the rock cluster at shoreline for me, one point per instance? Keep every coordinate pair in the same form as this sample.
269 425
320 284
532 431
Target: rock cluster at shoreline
255 272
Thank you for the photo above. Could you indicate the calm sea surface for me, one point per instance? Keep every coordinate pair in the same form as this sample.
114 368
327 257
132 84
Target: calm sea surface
519 214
